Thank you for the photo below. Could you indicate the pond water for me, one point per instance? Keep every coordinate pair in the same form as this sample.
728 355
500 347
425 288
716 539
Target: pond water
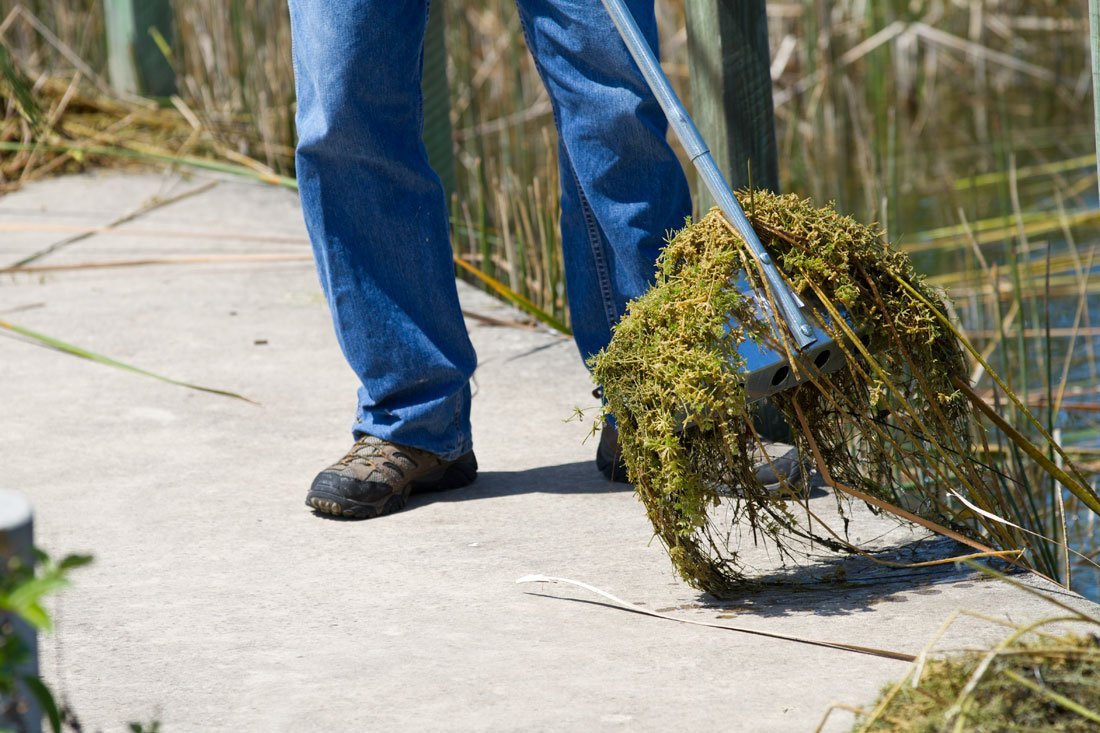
990 183
1043 259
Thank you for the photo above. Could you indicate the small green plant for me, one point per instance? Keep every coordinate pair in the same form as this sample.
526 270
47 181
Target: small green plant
22 590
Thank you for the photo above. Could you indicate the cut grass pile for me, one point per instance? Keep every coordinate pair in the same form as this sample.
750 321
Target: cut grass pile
1050 685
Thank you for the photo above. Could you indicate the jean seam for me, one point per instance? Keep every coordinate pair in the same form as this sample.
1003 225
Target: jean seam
603 274
595 243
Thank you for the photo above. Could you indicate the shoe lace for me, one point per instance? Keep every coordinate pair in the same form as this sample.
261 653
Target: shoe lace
365 450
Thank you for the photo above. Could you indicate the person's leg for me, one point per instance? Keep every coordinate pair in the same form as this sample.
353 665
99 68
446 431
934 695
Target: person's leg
623 189
376 215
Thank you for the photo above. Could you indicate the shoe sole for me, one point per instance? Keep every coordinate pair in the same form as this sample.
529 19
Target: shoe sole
795 488
452 476
799 491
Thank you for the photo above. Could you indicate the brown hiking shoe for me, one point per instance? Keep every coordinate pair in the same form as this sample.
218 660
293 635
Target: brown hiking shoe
376 477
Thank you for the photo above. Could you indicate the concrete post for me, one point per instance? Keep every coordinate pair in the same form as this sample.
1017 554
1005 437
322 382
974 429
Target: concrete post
17 546
136 63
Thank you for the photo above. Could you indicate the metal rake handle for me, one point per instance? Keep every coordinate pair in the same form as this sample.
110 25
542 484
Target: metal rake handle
790 306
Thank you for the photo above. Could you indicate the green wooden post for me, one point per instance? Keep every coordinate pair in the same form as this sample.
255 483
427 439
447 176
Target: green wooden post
1094 47
731 89
438 138
731 101
136 31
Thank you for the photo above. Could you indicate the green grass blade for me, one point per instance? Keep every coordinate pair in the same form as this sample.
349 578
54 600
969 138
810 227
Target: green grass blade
17 88
1094 49
1078 481
1031 171
45 700
108 361
1078 489
1053 696
514 298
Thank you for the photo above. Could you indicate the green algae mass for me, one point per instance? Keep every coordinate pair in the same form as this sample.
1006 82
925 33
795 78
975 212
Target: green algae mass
1059 692
891 424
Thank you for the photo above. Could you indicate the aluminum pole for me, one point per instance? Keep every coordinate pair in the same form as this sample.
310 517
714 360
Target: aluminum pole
790 307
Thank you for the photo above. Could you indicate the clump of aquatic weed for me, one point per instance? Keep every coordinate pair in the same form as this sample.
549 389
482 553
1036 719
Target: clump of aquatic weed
1049 685
1044 676
893 429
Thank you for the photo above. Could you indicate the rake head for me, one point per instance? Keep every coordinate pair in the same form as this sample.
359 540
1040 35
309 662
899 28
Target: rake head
768 367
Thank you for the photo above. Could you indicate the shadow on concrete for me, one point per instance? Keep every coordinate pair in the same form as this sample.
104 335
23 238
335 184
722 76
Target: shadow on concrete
566 478
838 585
581 477
825 586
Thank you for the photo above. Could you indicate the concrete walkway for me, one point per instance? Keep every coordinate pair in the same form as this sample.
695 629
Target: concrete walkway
217 601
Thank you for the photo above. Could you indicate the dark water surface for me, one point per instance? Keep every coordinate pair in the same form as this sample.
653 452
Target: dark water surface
1037 230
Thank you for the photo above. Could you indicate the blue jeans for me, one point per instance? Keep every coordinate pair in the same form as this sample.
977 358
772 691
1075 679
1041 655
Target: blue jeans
377 215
